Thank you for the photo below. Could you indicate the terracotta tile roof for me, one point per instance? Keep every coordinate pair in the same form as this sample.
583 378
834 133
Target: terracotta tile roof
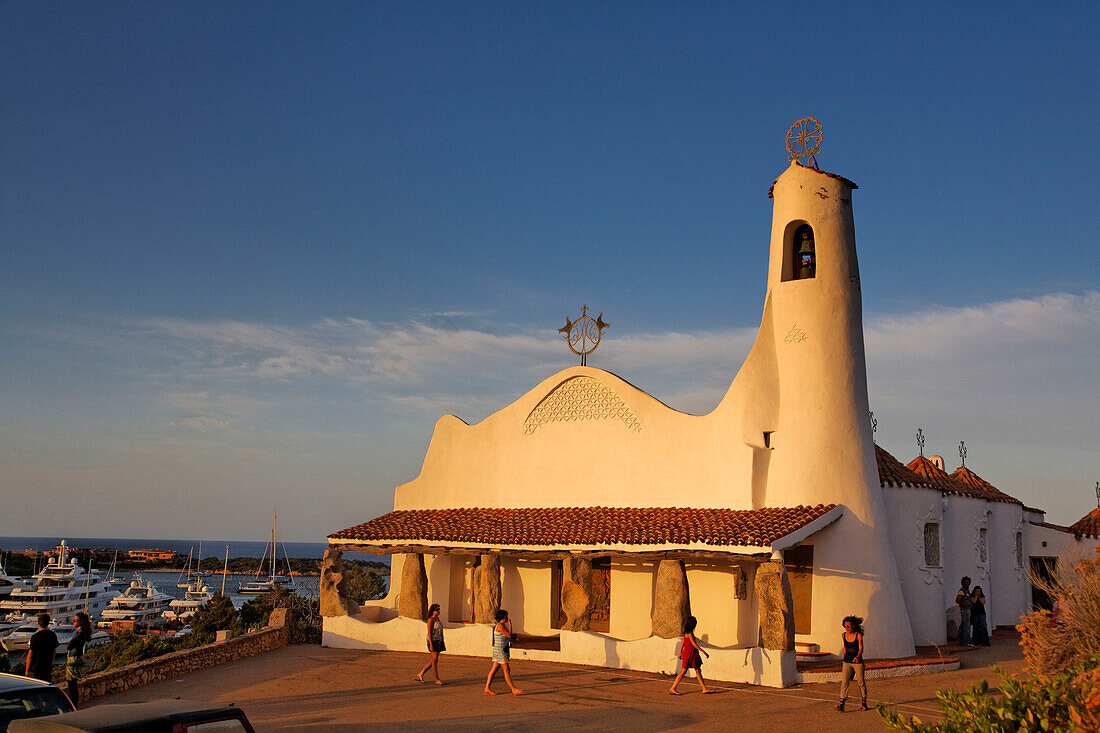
1088 524
586 526
963 482
891 471
981 487
850 184
933 476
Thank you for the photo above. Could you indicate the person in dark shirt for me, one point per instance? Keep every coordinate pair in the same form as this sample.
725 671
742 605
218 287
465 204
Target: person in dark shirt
74 658
43 645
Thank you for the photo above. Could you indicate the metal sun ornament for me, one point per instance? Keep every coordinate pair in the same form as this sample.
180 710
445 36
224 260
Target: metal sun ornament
804 141
583 335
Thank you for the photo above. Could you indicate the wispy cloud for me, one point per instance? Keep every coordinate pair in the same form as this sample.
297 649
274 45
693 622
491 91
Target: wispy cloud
351 402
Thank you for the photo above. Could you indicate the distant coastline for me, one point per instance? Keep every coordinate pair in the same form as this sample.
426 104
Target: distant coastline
243 555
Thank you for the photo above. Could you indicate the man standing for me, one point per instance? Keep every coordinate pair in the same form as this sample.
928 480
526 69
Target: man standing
962 598
42 648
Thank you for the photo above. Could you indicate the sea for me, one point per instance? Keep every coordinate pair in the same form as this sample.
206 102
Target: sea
210 548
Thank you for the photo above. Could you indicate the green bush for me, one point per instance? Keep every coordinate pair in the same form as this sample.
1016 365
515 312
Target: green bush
218 614
1066 703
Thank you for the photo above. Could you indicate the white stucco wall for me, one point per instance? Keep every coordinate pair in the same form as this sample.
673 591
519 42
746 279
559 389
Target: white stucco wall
923 585
752 665
1007 576
632 587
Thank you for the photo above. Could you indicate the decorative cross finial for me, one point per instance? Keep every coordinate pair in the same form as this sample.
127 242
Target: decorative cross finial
804 140
583 335
920 441
962 452
1098 494
874 422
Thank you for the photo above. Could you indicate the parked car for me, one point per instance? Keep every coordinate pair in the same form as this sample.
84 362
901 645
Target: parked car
159 716
26 697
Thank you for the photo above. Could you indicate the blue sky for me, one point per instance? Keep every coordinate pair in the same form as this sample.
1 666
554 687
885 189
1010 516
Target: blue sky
250 252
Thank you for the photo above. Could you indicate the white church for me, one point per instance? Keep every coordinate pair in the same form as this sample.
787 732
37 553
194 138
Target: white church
600 518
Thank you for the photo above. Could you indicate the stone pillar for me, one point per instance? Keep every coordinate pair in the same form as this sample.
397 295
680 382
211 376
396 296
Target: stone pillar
576 593
773 593
412 600
487 589
671 606
333 586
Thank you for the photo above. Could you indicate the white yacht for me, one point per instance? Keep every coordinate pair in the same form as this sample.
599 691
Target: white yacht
195 597
19 640
142 601
61 589
8 583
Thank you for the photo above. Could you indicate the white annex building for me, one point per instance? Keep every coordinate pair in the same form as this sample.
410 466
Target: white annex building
600 518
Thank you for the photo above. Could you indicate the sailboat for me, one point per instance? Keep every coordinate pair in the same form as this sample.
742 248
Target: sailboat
112 573
256 587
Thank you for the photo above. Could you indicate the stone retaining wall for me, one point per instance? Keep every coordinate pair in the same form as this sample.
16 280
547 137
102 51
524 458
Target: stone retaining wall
176 664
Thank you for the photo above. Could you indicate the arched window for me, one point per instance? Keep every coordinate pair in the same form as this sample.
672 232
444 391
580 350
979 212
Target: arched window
804 257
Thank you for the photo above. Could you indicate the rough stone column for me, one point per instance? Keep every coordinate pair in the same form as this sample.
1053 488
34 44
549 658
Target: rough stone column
773 592
412 600
576 593
333 586
487 589
671 606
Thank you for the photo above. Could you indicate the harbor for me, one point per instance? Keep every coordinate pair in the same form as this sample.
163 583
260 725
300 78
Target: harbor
149 600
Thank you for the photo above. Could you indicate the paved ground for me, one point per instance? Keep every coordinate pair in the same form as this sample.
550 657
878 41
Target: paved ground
308 688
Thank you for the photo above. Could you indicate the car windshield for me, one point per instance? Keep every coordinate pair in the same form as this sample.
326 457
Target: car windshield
30 703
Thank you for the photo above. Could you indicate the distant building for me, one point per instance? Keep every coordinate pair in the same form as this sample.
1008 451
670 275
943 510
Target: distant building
151 555
599 517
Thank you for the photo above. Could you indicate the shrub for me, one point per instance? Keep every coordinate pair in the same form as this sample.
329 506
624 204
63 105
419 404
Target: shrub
1055 642
361 584
1068 702
216 615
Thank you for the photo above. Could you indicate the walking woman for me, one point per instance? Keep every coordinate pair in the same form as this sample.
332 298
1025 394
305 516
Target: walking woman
435 644
503 636
689 657
74 657
853 661
980 633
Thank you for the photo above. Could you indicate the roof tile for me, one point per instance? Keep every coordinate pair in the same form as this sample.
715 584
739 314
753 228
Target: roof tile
1088 524
553 526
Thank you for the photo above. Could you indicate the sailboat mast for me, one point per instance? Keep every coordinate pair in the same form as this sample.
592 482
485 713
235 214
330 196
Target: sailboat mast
274 521
225 569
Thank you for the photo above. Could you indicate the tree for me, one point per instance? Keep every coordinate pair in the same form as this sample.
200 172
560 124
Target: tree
218 614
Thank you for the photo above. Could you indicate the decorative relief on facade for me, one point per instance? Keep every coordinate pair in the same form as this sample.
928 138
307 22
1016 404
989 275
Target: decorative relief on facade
795 336
581 398
981 545
929 543
1018 536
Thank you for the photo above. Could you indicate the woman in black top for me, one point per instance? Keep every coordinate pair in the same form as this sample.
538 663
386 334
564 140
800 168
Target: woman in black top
980 633
853 661
74 659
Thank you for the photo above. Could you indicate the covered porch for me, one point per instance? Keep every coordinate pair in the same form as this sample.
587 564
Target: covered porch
609 587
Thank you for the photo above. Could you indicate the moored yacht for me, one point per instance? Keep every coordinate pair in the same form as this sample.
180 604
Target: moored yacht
195 597
142 601
19 639
61 589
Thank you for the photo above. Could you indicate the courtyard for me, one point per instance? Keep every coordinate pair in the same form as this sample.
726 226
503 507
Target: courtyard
310 688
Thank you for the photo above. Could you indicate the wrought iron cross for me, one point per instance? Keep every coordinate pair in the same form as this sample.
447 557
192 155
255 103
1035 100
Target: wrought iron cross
1098 494
874 422
962 452
920 441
